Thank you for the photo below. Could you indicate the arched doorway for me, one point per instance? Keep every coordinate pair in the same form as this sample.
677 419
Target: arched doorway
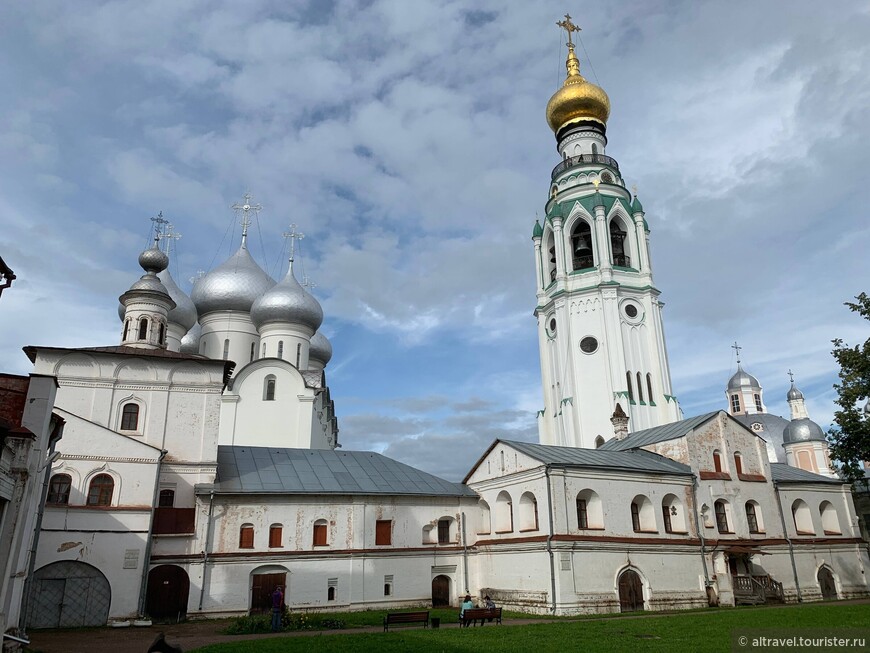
826 583
69 594
440 591
630 591
168 590
264 580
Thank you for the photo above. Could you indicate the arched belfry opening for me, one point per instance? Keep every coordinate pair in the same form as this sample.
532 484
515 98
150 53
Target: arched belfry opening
581 246
618 246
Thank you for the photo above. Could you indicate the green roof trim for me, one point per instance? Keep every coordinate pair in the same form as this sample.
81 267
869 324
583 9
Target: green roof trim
636 206
538 230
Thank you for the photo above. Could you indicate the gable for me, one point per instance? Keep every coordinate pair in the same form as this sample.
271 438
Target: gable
82 437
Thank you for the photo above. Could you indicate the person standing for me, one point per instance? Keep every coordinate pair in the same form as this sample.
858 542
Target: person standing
277 608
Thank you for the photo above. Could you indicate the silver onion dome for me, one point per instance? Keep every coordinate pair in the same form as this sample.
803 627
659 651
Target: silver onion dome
794 393
802 430
234 285
287 302
122 311
153 259
190 341
320 349
184 312
742 379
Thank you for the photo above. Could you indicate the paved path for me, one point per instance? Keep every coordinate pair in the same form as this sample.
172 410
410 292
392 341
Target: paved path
194 634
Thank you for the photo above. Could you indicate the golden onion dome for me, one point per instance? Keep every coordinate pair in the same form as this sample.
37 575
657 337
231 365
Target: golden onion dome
577 100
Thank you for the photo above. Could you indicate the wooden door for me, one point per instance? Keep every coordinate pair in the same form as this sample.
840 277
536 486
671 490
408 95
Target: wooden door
827 584
630 592
440 592
261 591
168 590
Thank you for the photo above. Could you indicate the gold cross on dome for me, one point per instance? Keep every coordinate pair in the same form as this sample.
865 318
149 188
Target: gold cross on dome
568 26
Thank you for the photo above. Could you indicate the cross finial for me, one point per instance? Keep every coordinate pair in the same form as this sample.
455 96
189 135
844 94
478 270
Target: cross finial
634 190
293 235
737 348
199 274
170 235
159 221
791 376
569 27
246 208
307 283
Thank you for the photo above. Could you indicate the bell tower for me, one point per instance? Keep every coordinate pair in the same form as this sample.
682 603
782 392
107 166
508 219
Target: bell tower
599 316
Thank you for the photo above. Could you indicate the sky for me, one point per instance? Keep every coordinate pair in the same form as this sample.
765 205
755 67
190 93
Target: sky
408 142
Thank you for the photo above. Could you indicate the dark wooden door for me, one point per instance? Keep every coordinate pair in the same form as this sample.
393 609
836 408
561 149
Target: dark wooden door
630 592
168 591
827 584
440 592
261 591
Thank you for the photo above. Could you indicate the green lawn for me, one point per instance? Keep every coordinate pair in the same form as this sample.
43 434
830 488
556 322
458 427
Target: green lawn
697 631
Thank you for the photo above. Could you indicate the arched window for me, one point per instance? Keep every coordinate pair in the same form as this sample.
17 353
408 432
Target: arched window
246 536
58 489
161 334
550 250
269 388
130 417
226 349
639 389
528 512
485 525
720 508
649 387
504 518
599 441
298 354
263 353
581 246
753 517
100 491
617 244
738 463
803 520
717 460
253 350
330 593
275 533
444 531
589 512
628 383
280 349
594 149
143 329
320 533
126 329
830 519
673 514
642 515
167 499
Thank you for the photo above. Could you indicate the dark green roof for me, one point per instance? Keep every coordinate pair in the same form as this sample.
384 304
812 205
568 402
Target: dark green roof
636 206
538 231
661 433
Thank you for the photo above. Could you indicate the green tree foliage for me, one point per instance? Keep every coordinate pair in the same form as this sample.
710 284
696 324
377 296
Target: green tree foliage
850 438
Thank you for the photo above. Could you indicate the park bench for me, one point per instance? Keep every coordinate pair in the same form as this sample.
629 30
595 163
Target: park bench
473 615
405 619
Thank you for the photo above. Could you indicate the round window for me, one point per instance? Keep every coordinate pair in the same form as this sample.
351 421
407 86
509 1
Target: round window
606 177
631 310
551 326
588 345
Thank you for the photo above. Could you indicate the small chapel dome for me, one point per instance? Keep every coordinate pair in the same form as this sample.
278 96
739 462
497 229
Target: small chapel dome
287 302
742 379
802 430
234 285
321 349
184 312
190 341
578 100
794 393
153 259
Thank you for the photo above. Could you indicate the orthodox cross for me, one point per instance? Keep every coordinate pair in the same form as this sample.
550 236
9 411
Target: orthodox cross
170 235
159 221
569 27
293 235
308 283
737 348
199 274
246 207
790 376
634 190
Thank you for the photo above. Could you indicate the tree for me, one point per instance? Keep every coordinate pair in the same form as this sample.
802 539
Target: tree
850 438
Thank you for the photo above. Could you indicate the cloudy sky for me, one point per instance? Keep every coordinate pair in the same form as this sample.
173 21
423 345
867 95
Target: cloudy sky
407 140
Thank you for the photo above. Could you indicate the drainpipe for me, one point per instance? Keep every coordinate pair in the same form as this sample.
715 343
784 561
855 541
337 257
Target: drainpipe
464 551
797 584
550 540
700 527
207 548
146 563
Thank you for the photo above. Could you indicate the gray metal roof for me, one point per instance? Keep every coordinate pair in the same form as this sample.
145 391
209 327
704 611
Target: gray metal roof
661 433
636 460
259 470
787 474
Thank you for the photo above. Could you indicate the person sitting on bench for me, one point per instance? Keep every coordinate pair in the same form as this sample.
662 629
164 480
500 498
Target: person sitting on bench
467 604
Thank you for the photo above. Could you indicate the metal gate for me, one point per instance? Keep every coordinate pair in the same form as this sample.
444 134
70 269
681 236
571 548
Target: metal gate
69 594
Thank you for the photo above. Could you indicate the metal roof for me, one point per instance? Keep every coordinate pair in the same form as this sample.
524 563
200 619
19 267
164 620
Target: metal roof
258 470
785 473
636 460
661 433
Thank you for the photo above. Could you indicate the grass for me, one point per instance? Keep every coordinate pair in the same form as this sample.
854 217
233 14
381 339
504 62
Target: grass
709 630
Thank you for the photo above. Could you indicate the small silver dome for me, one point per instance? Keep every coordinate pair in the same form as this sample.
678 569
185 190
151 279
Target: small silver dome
153 260
184 312
287 302
234 285
802 430
150 283
190 341
794 393
122 311
742 379
320 349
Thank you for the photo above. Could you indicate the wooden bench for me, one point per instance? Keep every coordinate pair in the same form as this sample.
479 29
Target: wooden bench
473 615
405 619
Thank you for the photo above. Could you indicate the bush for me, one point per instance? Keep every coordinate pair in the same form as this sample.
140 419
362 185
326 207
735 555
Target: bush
249 624
290 621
